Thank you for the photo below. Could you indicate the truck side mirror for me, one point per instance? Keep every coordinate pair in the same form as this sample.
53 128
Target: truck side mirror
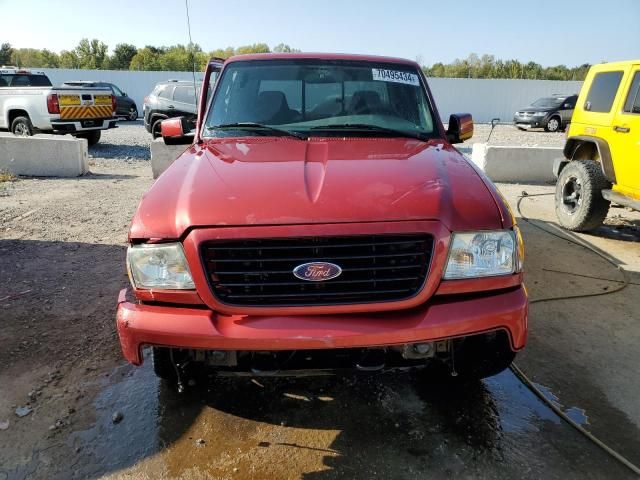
176 131
460 127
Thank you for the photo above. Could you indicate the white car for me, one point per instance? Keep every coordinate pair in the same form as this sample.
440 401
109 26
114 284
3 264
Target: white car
30 104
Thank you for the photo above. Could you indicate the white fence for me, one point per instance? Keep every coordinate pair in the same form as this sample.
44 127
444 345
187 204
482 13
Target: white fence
483 98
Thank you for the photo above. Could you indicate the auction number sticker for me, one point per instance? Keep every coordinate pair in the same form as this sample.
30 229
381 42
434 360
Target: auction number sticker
384 75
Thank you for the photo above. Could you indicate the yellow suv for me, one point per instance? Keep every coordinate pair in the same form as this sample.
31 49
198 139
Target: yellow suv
601 161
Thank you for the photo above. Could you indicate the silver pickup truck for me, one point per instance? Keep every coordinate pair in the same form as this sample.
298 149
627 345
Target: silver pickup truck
30 104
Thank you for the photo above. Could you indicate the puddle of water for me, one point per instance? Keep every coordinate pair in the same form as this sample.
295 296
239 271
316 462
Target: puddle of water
107 445
576 414
519 409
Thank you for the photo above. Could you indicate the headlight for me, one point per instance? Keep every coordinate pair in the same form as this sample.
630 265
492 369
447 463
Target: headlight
161 266
540 114
484 254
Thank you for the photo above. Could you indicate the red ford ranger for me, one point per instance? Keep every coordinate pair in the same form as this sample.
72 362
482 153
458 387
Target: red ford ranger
321 220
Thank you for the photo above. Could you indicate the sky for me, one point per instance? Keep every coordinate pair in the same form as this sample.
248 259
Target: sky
570 32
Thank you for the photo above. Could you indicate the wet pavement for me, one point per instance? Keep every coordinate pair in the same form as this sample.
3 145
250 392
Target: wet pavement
582 353
380 426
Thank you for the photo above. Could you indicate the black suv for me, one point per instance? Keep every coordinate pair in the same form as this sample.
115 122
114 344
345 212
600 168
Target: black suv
125 105
173 98
551 113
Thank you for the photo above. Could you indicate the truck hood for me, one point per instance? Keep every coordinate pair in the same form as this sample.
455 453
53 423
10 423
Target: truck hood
284 181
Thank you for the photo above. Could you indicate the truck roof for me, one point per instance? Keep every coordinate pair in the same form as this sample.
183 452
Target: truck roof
321 56
610 65
19 71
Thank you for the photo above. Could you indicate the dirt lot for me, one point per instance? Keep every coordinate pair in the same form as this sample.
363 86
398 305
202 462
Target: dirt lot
62 246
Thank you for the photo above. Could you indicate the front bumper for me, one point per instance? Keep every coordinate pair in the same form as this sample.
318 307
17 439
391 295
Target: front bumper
86 125
529 121
442 317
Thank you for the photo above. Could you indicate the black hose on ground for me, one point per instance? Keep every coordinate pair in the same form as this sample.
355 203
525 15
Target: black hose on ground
521 375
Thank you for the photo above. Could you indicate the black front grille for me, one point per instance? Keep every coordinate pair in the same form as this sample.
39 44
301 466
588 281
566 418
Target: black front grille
375 268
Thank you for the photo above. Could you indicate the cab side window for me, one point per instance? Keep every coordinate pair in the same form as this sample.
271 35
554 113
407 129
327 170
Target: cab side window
632 103
21 81
166 92
184 95
571 102
602 92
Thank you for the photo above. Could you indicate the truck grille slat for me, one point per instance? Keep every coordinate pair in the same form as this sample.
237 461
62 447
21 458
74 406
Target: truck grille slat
358 292
335 282
318 259
375 268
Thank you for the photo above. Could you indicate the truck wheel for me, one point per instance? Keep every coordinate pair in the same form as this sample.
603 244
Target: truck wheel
155 129
92 137
162 366
22 126
580 206
553 125
482 356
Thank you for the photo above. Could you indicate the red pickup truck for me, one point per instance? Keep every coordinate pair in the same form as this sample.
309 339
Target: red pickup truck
321 220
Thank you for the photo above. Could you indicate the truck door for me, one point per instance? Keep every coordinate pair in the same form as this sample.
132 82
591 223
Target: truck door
625 137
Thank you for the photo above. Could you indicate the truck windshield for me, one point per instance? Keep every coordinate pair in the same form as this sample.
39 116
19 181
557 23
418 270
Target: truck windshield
320 98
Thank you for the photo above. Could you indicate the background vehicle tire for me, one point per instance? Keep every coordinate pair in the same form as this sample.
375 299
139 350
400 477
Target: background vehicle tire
580 206
92 137
133 114
162 365
155 129
22 126
553 125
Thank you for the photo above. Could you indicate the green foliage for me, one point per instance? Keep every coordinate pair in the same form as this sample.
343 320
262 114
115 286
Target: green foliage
146 59
6 52
122 55
68 59
255 48
284 48
488 67
92 54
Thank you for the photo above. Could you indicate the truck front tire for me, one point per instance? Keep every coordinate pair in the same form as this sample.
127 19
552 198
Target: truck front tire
92 136
163 367
580 206
22 126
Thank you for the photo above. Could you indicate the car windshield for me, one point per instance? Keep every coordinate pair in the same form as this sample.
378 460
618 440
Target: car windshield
323 98
550 102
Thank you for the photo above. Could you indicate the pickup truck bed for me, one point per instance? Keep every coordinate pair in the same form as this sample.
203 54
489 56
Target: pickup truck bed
29 104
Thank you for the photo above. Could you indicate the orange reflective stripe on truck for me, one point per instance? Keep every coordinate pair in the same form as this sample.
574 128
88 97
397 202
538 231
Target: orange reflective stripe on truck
86 111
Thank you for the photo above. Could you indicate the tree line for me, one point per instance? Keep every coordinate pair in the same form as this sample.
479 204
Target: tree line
94 54
487 66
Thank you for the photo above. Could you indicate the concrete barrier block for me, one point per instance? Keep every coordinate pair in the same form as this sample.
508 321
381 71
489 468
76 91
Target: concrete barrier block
163 155
516 164
44 155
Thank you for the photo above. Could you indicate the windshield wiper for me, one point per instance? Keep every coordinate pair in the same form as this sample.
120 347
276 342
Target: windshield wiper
260 126
375 128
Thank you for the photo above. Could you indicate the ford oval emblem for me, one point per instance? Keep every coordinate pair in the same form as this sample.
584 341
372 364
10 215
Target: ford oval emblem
317 271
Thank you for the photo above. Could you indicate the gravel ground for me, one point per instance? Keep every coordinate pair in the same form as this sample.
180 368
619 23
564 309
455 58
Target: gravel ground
130 141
